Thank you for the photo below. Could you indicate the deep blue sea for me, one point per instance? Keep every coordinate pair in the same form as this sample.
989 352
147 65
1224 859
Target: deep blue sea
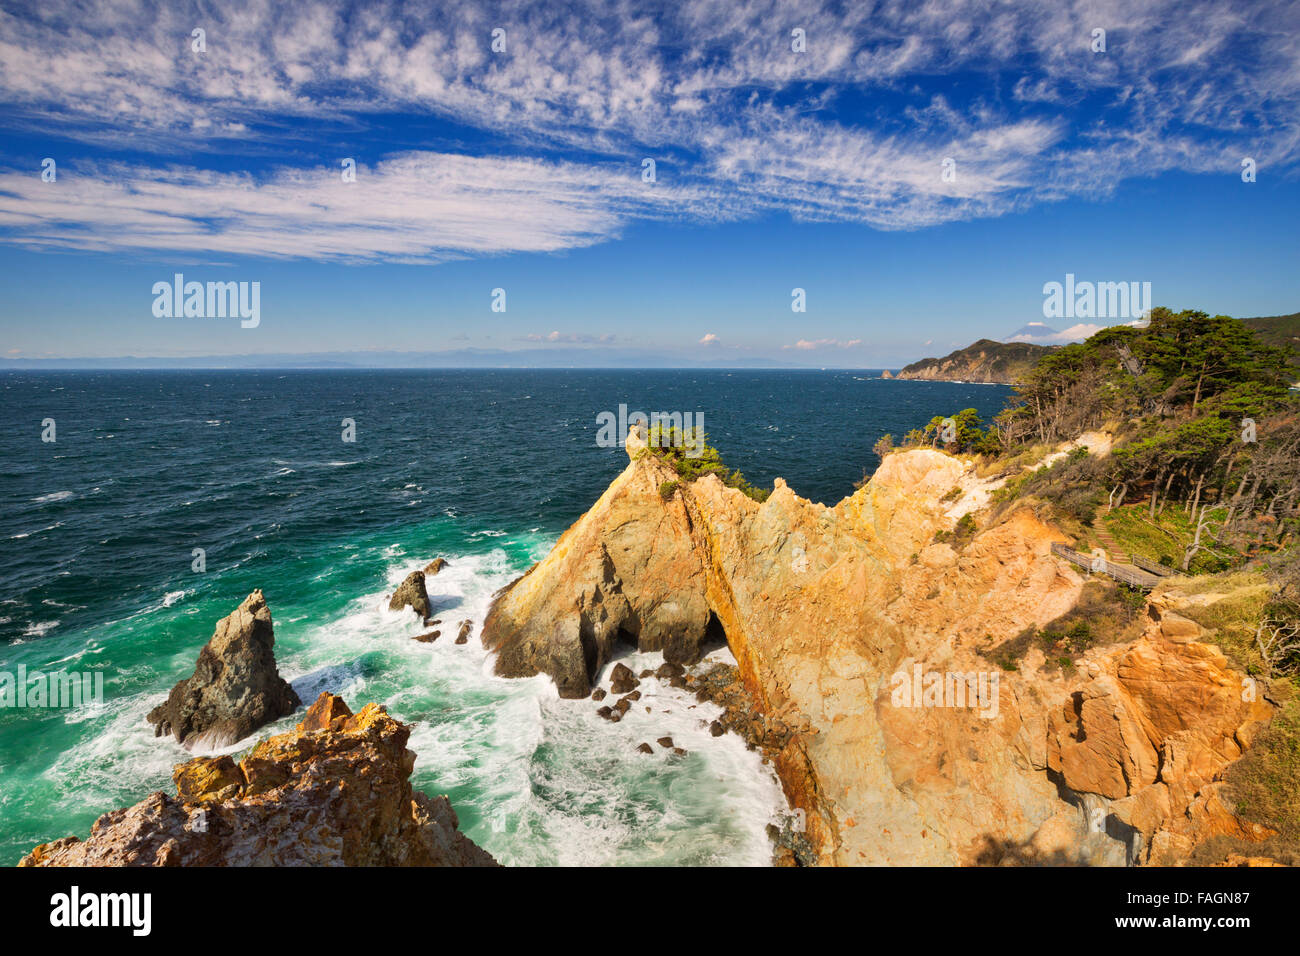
483 467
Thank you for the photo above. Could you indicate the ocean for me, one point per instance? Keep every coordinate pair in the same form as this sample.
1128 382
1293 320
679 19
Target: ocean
483 467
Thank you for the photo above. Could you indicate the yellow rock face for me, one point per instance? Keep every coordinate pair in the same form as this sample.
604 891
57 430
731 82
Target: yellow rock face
830 611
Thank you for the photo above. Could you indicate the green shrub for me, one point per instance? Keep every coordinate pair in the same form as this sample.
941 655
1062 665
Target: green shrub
1264 784
674 446
667 489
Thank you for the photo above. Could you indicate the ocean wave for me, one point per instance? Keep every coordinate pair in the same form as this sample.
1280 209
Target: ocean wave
53 496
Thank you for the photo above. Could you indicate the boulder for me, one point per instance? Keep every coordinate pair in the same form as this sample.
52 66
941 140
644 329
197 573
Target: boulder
428 637
411 593
645 749
463 636
622 679
235 687
434 566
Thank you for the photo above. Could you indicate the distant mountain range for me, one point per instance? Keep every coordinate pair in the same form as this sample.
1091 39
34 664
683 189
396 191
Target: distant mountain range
985 361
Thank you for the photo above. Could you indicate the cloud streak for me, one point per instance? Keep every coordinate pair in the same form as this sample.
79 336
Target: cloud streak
855 129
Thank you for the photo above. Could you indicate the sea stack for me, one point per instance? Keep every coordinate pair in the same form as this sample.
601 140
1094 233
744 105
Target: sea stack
411 593
235 687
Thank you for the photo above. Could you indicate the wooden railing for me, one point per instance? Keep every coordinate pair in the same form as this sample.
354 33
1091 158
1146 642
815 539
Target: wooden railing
1159 570
1120 572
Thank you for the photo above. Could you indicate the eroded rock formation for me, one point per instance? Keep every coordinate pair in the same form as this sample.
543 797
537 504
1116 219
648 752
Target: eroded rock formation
411 593
824 606
333 792
235 687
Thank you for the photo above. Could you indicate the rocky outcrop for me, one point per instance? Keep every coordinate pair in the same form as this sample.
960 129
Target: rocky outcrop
986 361
434 566
1151 730
333 792
832 612
411 593
235 687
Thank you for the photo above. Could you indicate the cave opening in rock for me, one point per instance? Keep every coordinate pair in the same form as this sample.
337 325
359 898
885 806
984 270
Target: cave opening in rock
715 635
626 637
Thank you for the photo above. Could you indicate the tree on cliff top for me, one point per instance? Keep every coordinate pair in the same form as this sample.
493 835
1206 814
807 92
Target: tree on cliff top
690 454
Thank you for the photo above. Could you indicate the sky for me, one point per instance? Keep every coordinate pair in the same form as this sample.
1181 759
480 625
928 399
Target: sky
920 170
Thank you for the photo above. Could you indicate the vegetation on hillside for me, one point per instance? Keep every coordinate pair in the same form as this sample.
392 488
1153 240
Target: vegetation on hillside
1203 422
983 361
1203 477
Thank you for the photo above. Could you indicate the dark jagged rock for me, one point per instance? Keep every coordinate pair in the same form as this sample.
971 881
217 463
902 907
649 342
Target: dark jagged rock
645 749
665 742
235 687
668 670
598 694
623 680
334 791
463 636
411 593
434 566
428 637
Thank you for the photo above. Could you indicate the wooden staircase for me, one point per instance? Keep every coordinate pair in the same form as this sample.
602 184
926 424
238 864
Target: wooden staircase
1113 551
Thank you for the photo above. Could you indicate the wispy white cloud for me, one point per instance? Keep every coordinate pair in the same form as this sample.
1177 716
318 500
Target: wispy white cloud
571 338
740 124
412 207
1045 335
808 345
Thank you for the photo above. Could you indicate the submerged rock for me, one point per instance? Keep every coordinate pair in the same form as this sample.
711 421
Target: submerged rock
411 593
235 687
334 791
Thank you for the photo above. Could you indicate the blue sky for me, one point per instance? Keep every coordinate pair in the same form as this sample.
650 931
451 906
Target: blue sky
521 169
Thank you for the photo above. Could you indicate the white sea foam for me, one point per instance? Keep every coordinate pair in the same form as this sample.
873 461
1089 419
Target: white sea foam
535 779
53 496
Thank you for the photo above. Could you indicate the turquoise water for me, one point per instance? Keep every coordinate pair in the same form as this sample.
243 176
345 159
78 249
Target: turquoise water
485 468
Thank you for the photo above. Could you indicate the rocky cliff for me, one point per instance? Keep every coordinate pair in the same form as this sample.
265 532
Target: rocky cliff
986 361
333 792
835 613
